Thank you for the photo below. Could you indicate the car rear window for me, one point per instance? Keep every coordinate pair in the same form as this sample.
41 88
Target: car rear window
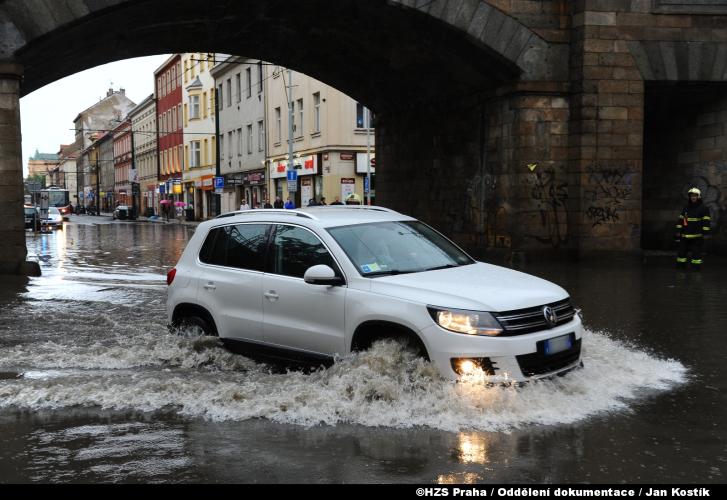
240 246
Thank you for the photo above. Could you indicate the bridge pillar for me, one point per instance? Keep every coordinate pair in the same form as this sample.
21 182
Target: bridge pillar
12 234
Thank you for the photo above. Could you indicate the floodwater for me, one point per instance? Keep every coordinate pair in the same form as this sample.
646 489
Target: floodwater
93 388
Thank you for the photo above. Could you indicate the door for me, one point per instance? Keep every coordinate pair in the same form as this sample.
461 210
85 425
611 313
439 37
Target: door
297 315
230 285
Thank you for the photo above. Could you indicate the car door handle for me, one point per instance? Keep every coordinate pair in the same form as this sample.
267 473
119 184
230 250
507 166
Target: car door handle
271 295
210 286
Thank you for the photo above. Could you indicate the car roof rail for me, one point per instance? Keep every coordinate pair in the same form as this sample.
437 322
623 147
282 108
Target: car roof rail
376 208
279 211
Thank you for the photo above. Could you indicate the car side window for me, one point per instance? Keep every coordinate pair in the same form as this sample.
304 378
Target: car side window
296 249
241 246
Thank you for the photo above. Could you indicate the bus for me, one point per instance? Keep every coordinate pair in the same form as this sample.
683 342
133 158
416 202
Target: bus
59 198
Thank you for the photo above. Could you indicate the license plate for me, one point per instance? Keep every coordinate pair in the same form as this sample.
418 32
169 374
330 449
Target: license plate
558 344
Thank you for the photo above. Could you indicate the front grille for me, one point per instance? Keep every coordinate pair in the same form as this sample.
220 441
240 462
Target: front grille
538 363
532 319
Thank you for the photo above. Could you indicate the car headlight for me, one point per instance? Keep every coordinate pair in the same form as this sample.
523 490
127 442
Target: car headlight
469 322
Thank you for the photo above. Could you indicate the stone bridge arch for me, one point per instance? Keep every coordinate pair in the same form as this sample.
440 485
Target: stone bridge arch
400 57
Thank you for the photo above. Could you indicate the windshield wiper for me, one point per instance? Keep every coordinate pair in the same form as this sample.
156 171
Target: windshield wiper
446 266
388 273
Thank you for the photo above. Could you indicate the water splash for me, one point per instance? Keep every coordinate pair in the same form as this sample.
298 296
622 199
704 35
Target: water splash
149 370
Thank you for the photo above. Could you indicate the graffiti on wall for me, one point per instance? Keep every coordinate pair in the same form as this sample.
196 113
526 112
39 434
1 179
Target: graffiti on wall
608 189
551 197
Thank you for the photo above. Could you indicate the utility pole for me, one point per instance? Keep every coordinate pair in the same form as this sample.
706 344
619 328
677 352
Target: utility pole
218 170
368 155
291 166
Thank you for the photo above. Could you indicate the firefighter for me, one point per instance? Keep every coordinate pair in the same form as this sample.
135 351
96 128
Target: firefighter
692 227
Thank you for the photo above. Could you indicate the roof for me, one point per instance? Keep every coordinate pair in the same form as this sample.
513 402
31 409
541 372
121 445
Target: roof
322 216
166 63
44 156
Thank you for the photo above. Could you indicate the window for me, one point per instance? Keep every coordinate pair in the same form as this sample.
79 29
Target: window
193 107
278 125
174 119
300 118
248 79
229 145
222 146
249 139
204 104
219 93
296 249
229 92
241 246
260 135
205 152
179 114
194 157
239 142
159 87
174 77
317 112
238 88
360 119
259 77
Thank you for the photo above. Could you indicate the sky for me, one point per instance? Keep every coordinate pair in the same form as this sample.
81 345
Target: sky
47 114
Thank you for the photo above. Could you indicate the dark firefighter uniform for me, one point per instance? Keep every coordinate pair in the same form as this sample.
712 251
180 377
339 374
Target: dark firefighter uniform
693 225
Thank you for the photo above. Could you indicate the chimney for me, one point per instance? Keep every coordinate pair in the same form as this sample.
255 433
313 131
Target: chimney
110 92
122 91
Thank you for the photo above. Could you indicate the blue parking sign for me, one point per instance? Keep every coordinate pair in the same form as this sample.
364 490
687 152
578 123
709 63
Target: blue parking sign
219 182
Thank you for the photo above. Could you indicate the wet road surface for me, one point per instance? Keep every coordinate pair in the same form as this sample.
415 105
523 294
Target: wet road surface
93 388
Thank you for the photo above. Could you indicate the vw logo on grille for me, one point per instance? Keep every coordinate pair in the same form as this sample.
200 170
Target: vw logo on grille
550 317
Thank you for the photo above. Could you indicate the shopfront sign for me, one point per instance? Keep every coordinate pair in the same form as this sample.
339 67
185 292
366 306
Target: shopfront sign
361 163
346 156
348 187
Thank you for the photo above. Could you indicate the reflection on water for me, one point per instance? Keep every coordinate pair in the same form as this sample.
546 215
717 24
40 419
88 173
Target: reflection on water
94 388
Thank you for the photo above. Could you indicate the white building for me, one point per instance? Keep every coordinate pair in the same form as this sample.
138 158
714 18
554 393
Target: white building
329 139
144 130
240 89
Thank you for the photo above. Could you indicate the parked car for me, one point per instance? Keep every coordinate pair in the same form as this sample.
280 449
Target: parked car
122 212
54 219
324 281
32 218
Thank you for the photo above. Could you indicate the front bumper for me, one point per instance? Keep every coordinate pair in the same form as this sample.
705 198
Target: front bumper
515 358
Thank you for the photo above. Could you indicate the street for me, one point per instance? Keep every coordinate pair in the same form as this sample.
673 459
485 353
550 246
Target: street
94 388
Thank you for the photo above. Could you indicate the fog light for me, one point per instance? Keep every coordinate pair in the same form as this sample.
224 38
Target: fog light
468 366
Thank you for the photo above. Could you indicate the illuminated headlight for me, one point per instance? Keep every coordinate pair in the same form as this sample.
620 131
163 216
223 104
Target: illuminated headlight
468 322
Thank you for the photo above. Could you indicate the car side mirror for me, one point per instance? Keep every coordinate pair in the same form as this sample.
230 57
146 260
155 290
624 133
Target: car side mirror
322 275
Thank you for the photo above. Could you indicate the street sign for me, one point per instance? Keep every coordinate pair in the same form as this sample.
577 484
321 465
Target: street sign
366 184
292 177
292 185
219 183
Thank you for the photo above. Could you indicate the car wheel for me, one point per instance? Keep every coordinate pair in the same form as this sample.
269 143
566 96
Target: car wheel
195 326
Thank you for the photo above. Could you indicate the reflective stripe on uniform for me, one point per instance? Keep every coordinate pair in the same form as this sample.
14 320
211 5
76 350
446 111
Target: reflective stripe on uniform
692 235
679 226
696 261
706 217
694 219
681 259
705 228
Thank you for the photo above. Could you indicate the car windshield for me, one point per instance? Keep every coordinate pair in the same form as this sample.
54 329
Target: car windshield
387 248
29 211
53 210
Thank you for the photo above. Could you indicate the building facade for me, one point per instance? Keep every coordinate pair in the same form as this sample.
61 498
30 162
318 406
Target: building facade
240 90
145 160
330 134
107 181
200 143
124 176
170 126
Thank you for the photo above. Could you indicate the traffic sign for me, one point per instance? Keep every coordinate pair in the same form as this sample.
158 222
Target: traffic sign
292 185
219 183
292 176
366 184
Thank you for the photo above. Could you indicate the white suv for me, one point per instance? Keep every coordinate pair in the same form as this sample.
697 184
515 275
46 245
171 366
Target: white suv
325 281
